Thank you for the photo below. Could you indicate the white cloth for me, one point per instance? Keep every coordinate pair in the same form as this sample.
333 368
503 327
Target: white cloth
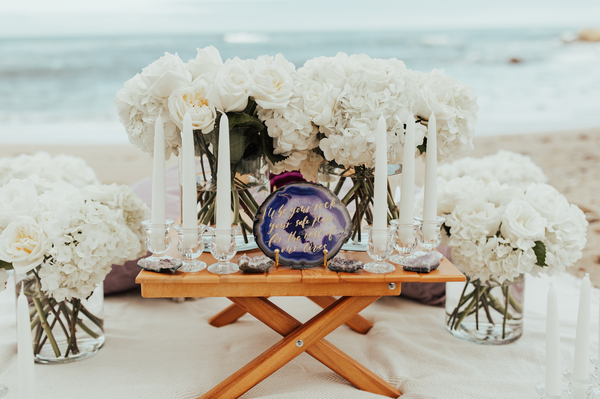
156 348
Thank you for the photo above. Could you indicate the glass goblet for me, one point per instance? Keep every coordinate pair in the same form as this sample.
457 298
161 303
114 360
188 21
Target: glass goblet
405 241
430 234
190 247
223 247
380 246
158 241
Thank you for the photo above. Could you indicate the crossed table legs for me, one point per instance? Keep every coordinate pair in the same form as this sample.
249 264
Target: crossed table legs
300 338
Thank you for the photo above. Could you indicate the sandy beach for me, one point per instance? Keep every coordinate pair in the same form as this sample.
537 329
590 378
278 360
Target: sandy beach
571 160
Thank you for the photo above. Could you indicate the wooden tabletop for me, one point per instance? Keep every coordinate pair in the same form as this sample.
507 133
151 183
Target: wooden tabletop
284 281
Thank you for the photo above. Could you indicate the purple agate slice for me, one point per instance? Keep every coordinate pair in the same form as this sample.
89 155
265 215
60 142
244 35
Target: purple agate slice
424 262
301 220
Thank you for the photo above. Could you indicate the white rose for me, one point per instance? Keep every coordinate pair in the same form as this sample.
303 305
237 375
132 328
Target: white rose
208 61
193 100
3 279
232 86
273 81
166 75
522 224
24 244
319 101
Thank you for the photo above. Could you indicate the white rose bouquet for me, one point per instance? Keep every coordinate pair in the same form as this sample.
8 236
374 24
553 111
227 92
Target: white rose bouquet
499 232
66 239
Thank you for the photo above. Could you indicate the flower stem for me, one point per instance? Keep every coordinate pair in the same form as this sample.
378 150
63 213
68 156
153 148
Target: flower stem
477 306
486 307
96 320
516 305
46 327
460 300
505 290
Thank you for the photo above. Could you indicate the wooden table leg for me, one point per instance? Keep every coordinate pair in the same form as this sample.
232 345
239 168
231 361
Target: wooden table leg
332 357
227 316
234 312
293 344
357 323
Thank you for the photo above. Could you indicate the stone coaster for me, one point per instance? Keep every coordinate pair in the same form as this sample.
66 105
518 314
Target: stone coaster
161 264
424 262
254 264
344 265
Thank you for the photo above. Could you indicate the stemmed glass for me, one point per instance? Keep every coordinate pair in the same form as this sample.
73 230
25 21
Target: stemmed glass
190 247
405 241
158 241
430 235
223 251
379 253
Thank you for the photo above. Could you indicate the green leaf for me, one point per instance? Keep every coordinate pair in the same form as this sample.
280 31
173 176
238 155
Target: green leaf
5 265
268 148
423 147
237 144
540 252
244 120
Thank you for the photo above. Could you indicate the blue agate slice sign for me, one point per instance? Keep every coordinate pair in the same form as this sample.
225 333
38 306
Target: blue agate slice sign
301 220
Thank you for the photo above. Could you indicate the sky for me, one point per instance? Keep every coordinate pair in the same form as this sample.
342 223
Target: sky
35 18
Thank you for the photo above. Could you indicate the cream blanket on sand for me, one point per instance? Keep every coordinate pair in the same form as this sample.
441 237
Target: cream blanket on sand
156 348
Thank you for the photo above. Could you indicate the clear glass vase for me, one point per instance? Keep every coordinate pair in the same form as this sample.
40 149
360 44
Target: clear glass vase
486 312
249 185
354 186
63 331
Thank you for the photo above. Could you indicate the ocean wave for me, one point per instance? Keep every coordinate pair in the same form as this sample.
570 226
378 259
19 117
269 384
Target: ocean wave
244 38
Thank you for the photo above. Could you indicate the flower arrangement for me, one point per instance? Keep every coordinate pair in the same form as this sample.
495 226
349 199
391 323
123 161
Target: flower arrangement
66 239
499 232
325 111
70 169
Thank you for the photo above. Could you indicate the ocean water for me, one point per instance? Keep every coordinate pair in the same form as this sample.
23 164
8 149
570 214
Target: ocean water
61 90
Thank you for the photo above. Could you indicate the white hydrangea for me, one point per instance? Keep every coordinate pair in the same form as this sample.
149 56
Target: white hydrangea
138 109
70 169
455 107
122 199
346 95
71 235
504 167
500 231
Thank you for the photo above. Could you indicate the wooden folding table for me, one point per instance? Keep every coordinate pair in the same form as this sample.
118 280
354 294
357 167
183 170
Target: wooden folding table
250 293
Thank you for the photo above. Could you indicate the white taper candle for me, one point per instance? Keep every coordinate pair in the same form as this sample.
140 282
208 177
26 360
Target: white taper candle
380 187
25 349
223 187
159 191
190 208
430 194
408 180
553 374
582 335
